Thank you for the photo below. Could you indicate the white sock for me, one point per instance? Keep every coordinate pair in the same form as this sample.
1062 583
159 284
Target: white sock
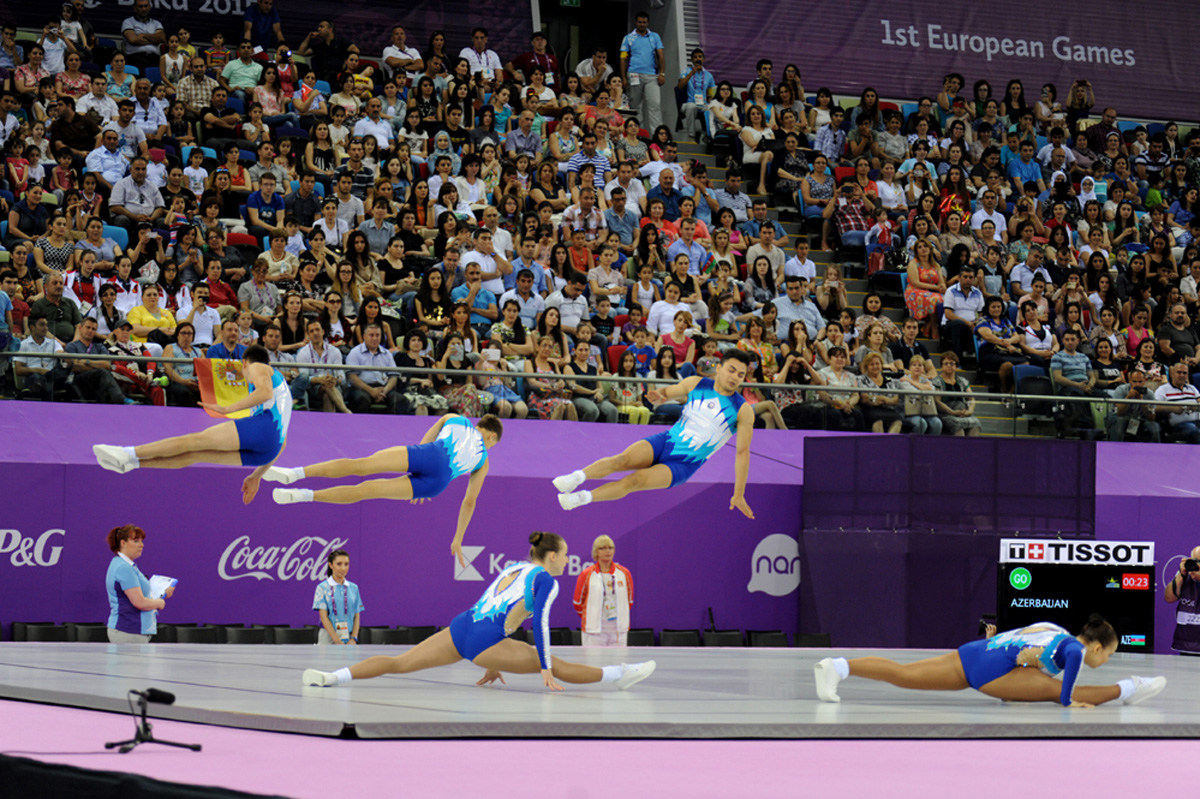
306 494
841 667
612 673
343 676
133 458
579 476
297 473
1127 689
587 496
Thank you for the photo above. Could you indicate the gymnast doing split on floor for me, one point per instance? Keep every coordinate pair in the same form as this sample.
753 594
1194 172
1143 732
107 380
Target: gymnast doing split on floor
255 440
452 447
1016 666
480 634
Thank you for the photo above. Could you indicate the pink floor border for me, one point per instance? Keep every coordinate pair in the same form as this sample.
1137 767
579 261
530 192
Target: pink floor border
305 766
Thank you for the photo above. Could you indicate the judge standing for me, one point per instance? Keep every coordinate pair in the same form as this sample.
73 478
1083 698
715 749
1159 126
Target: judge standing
133 615
603 597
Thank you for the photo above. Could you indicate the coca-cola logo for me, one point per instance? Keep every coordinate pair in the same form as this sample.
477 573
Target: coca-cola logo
305 559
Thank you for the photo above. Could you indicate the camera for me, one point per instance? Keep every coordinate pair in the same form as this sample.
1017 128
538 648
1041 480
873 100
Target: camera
1191 565
985 621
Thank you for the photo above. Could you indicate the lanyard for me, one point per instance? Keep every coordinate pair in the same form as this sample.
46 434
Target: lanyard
345 599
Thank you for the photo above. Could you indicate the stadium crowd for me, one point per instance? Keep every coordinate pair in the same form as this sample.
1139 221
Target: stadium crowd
527 229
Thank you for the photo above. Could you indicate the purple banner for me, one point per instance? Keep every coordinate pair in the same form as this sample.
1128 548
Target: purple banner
367 24
904 49
260 564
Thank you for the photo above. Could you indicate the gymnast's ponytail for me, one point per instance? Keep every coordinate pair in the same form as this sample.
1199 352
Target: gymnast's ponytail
542 544
1098 630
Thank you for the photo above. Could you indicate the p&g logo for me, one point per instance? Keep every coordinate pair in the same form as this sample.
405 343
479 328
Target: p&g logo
30 551
775 566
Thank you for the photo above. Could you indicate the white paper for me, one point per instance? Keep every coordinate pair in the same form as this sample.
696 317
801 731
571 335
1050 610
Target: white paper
159 585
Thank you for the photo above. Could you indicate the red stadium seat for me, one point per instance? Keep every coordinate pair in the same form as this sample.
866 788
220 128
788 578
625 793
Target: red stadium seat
614 357
840 173
242 238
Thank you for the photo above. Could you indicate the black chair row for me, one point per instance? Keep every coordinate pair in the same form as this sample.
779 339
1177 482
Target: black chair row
380 635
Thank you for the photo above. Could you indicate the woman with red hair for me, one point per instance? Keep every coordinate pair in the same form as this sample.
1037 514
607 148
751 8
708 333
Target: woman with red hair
132 616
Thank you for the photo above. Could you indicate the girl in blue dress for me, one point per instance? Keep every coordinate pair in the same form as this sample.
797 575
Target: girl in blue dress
1016 666
480 634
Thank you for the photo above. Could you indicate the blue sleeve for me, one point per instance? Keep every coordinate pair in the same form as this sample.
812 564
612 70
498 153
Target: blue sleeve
545 590
1072 655
127 577
321 597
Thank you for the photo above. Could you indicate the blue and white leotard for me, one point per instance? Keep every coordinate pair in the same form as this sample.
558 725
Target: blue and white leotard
262 433
1062 653
457 450
709 420
488 622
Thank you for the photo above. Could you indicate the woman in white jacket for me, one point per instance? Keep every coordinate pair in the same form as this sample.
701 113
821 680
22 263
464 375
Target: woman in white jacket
603 597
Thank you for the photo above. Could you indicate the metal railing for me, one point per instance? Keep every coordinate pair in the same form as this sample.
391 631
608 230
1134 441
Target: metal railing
1011 401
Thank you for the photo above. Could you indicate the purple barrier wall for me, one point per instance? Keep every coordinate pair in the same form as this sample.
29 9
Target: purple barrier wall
367 24
904 49
259 564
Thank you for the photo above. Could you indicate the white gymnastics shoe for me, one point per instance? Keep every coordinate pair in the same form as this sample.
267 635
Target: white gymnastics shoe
321 679
115 459
569 482
634 673
1144 688
827 680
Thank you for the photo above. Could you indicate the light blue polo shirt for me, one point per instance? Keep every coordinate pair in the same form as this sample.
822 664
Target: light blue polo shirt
341 602
122 615
642 50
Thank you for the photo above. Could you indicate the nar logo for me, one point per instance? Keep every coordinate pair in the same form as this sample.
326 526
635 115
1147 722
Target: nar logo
468 572
1037 551
775 566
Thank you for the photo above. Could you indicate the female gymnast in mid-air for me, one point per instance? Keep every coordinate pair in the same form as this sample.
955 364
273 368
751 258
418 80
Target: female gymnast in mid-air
713 410
480 634
1016 666
255 440
450 448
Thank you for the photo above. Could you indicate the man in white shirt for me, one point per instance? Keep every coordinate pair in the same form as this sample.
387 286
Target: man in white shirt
571 304
531 303
369 385
39 374
1182 421
1021 277
97 100
987 210
401 59
135 199
635 190
502 241
594 72
799 264
373 125
962 305
492 264
147 114
485 64
204 319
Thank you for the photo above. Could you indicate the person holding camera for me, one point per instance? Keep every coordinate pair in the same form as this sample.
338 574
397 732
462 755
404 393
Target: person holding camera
851 214
1184 588
1135 421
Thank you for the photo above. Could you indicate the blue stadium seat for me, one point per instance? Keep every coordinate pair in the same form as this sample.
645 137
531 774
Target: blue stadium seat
318 188
908 109
118 234
1127 125
236 105
132 70
153 74
323 87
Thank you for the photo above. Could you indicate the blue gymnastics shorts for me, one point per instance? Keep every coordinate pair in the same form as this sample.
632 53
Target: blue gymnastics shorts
429 469
682 469
472 637
982 665
258 439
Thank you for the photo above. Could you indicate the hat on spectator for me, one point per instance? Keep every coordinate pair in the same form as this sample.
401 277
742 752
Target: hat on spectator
123 322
